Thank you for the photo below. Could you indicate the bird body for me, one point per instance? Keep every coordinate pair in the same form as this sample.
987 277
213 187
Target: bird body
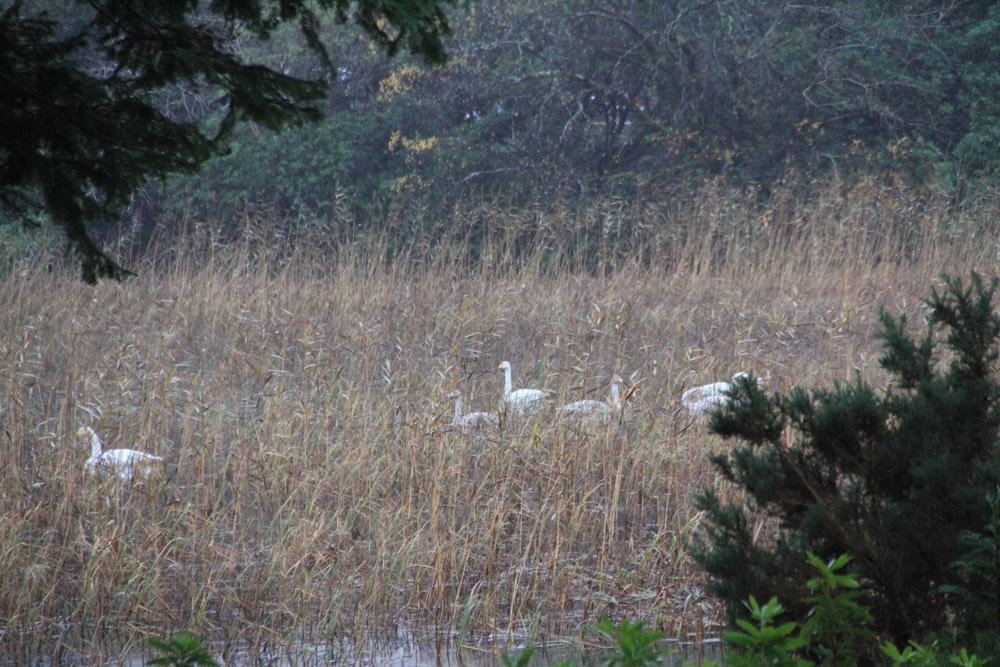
700 400
128 464
586 407
473 421
705 404
706 391
522 401
594 407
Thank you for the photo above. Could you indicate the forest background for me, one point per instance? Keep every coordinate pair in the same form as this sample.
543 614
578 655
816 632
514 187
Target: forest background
626 105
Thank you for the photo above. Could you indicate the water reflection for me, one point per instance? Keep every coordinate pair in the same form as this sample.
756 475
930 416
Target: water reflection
406 650
410 653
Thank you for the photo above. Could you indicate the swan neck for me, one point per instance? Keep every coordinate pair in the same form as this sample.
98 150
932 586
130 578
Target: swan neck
95 445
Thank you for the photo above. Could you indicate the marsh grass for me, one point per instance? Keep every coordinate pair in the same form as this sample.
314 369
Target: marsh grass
315 493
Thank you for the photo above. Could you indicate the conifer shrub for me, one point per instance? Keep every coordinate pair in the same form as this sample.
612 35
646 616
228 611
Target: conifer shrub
903 479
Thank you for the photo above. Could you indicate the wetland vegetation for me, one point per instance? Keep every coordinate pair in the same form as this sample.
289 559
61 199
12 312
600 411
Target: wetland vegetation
315 492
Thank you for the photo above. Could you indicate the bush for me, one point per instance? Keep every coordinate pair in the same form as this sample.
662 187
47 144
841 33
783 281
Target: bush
899 479
834 624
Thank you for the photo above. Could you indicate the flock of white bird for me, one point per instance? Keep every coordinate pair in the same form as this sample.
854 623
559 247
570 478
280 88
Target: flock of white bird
130 464
698 401
523 402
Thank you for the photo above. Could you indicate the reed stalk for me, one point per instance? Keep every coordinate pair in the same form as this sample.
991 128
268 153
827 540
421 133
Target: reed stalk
315 493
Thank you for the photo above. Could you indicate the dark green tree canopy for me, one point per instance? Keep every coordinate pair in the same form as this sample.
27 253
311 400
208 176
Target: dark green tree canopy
84 84
904 480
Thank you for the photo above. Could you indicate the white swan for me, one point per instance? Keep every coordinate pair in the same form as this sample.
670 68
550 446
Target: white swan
523 401
474 421
701 400
594 407
127 463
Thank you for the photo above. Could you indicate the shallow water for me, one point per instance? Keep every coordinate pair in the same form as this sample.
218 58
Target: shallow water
407 649
410 654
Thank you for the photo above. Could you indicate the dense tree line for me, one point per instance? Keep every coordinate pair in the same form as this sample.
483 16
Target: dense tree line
98 96
545 100
541 102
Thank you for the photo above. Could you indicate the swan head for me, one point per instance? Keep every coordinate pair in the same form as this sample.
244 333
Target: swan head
504 366
96 445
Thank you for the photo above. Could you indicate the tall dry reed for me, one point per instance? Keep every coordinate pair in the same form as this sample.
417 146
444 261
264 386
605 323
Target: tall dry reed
315 493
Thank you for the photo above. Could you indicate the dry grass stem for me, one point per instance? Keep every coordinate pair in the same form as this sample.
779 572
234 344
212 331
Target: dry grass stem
315 492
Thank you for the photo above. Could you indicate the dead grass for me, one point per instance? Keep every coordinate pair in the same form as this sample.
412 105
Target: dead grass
315 491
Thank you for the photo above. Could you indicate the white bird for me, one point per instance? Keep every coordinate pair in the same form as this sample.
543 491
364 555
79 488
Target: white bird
598 408
703 406
474 421
127 463
701 400
523 401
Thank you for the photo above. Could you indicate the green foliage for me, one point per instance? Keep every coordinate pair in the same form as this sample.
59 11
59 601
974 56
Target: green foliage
183 650
155 88
301 172
977 149
897 480
543 103
834 627
837 620
630 97
634 645
547 103
979 587
523 659
764 643
921 655
25 245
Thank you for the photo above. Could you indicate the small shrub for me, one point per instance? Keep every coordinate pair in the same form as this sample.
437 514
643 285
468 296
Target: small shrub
635 646
829 635
183 650
764 643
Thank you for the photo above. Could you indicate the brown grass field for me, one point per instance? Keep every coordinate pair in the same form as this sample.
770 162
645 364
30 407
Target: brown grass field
315 495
